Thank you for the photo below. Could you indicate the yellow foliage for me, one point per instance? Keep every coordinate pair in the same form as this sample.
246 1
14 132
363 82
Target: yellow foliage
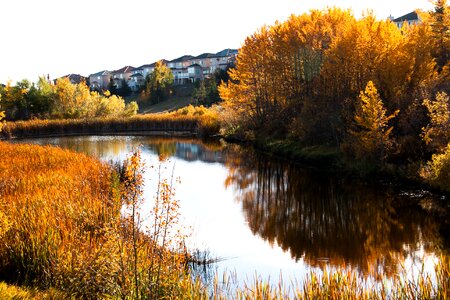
437 131
373 133
437 171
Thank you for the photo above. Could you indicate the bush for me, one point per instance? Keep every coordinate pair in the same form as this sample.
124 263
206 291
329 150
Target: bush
437 171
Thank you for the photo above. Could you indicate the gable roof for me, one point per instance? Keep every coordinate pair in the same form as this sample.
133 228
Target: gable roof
101 73
165 61
126 69
227 52
412 16
182 58
204 55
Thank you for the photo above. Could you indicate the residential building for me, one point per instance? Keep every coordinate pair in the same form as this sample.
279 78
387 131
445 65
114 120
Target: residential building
412 18
186 68
195 72
137 79
100 80
74 78
122 74
148 69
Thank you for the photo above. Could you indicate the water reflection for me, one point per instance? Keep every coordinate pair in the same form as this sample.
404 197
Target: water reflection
114 148
327 220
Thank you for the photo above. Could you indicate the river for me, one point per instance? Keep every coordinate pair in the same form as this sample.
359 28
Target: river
266 217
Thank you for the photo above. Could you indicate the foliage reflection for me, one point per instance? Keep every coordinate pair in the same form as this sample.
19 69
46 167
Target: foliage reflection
327 220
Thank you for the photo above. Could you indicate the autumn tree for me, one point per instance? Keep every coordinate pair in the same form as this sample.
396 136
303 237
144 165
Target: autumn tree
2 115
440 27
77 101
277 71
437 132
158 84
372 133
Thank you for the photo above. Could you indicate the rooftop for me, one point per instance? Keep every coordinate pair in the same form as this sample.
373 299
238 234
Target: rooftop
412 16
123 70
101 73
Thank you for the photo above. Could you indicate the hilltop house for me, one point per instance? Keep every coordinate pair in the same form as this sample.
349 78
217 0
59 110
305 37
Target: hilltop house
412 18
147 69
122 74
99 81
73 78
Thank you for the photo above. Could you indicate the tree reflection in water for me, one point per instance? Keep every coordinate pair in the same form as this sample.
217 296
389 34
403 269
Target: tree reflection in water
328 220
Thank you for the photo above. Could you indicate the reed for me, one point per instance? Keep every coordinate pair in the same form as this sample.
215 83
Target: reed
61 227
204 124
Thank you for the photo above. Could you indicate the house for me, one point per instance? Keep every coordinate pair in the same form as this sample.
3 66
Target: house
195 72
203 60
412 19
122 74
99 81
185 67
74 78
178 67
148 69
137 80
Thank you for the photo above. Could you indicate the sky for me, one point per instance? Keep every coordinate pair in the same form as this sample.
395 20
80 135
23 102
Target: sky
58 37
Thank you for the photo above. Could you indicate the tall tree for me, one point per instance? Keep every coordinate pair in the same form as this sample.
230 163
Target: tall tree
437 132
124 89
158 84
372 134
440 26
2 115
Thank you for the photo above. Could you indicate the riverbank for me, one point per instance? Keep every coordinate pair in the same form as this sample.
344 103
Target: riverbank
183 123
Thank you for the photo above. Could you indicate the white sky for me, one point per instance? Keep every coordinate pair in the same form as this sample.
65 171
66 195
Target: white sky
59 37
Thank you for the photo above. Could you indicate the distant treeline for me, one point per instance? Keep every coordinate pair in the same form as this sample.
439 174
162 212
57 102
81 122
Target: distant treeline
62 100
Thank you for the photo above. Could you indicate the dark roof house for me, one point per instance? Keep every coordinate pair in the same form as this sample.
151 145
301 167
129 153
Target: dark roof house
411 18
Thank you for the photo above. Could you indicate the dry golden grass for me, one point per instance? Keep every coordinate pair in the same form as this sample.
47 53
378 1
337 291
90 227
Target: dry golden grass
200 122
52 203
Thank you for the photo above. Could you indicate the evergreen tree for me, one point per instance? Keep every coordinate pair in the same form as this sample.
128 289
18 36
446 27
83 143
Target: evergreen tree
112 87
440 27
124 90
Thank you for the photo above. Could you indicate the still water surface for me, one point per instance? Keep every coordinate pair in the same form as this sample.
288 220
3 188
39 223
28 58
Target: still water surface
265 216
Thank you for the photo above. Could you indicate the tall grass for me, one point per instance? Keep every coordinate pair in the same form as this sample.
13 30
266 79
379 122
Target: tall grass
202 124
62 227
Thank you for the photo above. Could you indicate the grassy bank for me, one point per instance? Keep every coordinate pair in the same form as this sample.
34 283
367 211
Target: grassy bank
191 122
62 228
322 156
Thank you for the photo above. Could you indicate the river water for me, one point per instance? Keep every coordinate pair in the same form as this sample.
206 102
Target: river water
268 217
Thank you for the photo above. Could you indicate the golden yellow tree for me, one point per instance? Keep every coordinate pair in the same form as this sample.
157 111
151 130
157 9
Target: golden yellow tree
278 67
437 132
373 132
2 115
